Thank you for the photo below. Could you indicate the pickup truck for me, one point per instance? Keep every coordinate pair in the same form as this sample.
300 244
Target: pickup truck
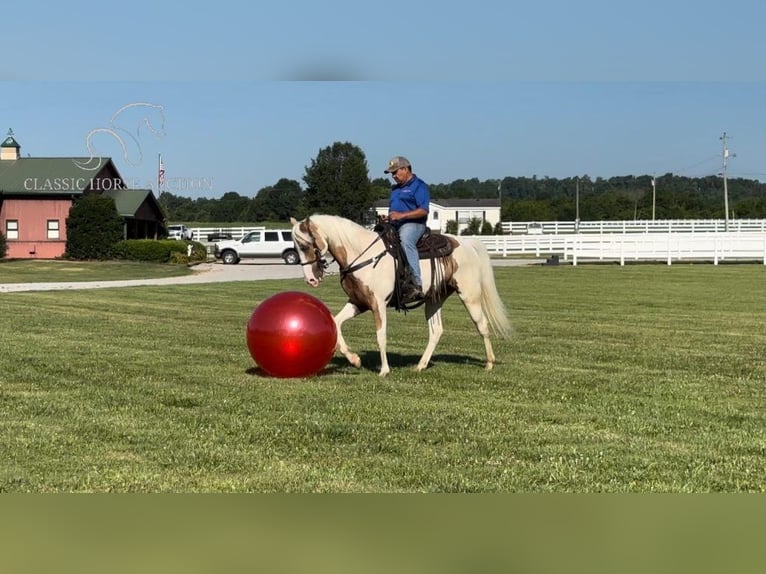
260 243
179 232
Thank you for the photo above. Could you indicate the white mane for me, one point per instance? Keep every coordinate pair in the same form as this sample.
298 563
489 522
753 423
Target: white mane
341 231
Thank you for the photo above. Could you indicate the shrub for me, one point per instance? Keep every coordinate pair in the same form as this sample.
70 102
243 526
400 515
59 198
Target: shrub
93 228
473 227
160 251
3 246
451 227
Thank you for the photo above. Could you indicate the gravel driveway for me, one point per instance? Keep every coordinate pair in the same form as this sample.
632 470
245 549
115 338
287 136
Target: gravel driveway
251 270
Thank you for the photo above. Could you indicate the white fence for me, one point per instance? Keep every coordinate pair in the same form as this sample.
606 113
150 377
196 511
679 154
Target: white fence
622 247
201 234
634 226
623 241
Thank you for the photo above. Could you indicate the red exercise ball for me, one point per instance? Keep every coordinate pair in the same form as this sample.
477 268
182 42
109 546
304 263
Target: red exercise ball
291 334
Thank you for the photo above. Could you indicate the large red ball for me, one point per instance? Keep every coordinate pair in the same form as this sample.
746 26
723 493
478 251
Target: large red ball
291 334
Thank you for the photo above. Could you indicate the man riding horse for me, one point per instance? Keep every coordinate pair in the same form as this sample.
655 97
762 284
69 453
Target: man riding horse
408 207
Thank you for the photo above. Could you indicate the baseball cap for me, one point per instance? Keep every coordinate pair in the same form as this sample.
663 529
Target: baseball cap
396 163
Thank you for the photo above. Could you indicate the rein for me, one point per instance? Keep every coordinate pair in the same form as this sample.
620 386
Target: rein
353 266
322 263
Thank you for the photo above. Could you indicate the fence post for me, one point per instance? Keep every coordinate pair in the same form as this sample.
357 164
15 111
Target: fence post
715 250
575 242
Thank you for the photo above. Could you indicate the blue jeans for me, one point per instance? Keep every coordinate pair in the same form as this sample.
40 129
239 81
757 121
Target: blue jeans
409 233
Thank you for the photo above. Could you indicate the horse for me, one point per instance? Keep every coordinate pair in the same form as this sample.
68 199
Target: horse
367 275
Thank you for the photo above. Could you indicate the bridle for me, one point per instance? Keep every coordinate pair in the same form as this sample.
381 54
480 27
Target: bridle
319 259
322 263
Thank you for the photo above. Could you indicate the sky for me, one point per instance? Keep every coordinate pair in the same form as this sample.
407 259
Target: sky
241 95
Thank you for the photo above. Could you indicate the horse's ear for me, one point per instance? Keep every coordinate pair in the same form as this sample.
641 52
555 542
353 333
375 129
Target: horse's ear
293 221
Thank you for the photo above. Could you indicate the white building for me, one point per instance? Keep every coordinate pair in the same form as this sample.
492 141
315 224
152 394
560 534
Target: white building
461 210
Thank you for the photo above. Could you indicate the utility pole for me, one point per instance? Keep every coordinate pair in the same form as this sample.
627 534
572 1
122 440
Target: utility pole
725 154
654 196
577 206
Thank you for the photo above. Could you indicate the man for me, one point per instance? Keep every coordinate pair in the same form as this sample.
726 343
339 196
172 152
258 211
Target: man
408 207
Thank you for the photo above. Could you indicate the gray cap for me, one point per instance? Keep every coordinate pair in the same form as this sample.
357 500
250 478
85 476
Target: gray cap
396 163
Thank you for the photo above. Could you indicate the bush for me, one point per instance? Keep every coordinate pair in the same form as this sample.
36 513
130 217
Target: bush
3 246
473 227
93 228
451 227
160 251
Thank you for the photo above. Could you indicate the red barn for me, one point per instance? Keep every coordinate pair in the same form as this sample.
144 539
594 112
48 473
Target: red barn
36 194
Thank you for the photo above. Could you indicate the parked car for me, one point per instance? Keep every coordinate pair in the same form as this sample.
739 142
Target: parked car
218 236
260 243
179 232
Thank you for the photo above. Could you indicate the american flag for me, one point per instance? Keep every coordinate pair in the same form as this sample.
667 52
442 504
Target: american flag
161 175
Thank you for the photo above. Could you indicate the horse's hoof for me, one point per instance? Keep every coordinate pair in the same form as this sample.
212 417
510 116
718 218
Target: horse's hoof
355 360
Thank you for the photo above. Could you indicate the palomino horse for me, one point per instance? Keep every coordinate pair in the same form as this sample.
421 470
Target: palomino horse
367 277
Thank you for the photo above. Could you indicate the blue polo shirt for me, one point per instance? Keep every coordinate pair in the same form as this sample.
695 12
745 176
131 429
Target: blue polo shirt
409 196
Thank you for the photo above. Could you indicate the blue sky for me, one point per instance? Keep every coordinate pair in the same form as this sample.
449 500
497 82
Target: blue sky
484 90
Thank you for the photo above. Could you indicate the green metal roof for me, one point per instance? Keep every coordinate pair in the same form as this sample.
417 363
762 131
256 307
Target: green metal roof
128 201
54 175
10 142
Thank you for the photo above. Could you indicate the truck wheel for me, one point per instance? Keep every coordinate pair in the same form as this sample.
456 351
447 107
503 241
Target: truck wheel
229 258
291 257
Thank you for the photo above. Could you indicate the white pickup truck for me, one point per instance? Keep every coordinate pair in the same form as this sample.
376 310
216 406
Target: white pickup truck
260 243
179 232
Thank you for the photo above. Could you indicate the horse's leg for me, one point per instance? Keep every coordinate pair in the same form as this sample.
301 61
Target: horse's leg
349 311
380 334
435 330
473 306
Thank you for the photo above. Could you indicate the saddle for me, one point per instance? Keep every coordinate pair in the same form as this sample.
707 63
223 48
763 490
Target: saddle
431 246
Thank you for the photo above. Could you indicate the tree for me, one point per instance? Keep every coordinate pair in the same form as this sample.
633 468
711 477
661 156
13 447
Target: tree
278 202
337 182
93 227
231 207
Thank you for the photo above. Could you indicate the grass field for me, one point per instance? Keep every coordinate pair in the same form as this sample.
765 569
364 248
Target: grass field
617 379
55 270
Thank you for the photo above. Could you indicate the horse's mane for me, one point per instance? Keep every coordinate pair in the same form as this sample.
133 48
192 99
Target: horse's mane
343 231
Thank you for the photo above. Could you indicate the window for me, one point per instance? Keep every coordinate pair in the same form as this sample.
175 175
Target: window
12 229
435 215
272 236
53 229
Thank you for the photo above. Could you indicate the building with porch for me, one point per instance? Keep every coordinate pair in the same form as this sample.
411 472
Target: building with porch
37 193
461 210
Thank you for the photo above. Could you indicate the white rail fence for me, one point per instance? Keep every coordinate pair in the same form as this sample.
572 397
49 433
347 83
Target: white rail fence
624 241
668 247
634 226
202 234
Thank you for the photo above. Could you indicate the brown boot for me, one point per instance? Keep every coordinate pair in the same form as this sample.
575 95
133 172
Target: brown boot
412 293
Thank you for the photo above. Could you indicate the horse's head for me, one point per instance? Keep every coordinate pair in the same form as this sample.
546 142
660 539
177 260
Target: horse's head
312 248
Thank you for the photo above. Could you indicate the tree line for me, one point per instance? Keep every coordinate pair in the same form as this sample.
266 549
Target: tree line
337 182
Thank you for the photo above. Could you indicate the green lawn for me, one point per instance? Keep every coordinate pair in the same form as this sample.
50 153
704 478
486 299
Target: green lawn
36 271
618 379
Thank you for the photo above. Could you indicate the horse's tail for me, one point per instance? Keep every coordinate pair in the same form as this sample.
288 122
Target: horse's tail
491 303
